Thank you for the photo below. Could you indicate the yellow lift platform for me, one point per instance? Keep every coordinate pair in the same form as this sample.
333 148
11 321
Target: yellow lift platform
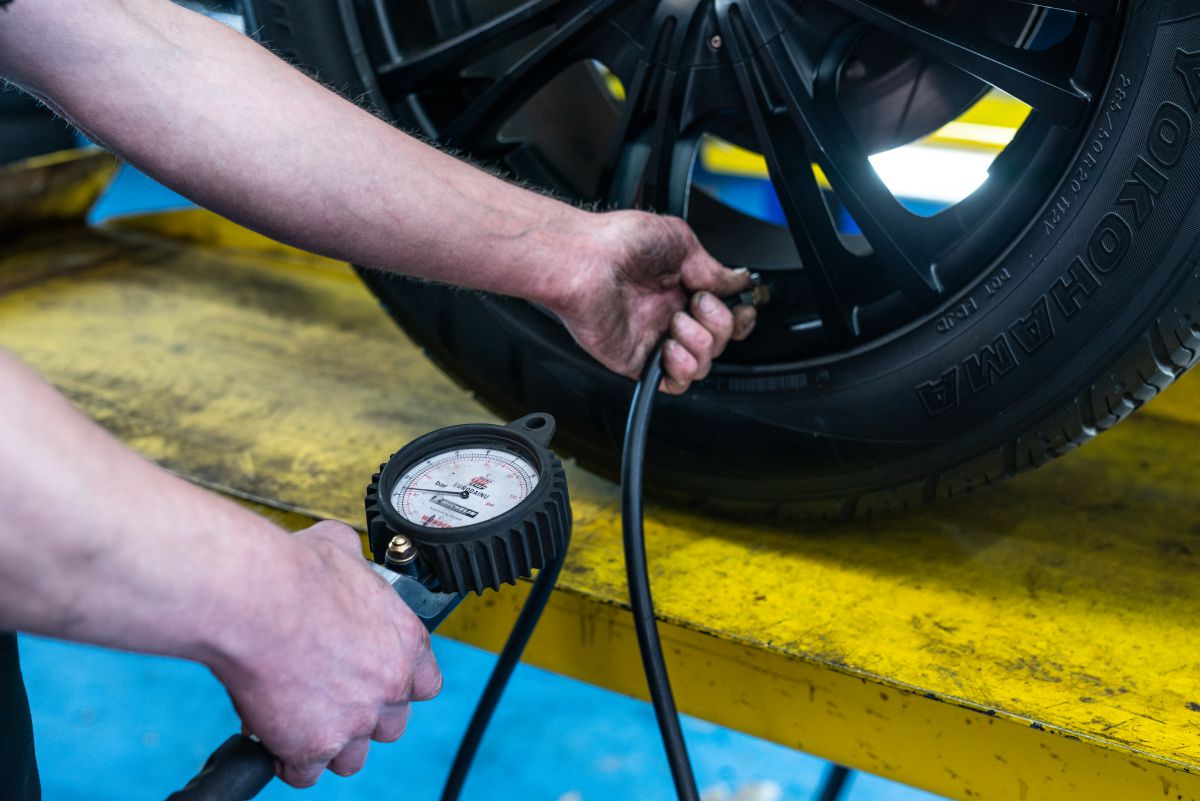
1034 642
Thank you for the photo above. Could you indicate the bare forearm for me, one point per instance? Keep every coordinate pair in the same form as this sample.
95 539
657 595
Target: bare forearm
221 120
99 545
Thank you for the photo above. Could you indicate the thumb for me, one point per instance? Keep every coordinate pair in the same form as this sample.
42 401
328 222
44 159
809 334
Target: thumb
703 273
335 533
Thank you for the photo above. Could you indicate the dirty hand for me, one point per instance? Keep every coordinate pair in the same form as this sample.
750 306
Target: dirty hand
641 275
335 666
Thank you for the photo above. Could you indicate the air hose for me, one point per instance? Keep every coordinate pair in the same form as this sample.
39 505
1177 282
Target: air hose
641 602
510 655
632 459
634 537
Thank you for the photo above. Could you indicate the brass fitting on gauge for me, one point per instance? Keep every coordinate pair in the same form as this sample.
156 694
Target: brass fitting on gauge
400 552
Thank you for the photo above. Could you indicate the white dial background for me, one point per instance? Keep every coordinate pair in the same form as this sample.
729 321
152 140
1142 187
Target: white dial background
430 493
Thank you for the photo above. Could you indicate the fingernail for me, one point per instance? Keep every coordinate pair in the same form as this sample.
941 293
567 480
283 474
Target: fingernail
708 303
749 326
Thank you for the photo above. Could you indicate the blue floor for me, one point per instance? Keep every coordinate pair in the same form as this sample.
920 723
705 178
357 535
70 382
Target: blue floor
113 726
125 727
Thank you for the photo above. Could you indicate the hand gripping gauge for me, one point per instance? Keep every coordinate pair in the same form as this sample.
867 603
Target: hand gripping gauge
454 512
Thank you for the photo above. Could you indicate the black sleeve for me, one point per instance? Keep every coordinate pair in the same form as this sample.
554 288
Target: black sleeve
18 768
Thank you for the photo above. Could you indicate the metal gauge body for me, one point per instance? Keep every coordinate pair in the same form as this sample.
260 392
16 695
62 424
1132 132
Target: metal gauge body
483 504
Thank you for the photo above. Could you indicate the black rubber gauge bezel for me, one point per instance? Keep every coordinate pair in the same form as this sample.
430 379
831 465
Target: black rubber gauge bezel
481 555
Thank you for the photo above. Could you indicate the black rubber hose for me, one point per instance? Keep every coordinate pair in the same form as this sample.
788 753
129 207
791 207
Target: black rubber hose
237 771
835 784
518 638
634 535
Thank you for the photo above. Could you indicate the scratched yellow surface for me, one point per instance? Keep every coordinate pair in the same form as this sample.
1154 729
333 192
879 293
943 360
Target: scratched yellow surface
1035 641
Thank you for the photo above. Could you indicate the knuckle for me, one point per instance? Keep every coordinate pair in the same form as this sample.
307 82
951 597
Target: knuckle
435 688
721 317
333 534
343 768
317 753
363 724
389 735
302 774
352 758
393 728
401 691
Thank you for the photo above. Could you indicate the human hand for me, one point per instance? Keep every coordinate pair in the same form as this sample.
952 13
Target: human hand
637 276
335 666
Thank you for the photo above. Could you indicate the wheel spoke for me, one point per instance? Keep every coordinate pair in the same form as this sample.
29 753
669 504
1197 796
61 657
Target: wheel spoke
1091 8
488 112
442 63
649 156
791 173
625 165
798 128
1037 77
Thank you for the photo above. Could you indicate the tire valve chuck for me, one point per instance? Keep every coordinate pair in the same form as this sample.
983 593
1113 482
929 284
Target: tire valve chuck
758 294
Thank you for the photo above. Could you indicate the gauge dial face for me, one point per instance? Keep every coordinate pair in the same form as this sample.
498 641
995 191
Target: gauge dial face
463 487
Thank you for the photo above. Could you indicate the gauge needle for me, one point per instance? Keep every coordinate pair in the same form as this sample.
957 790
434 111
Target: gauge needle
459 493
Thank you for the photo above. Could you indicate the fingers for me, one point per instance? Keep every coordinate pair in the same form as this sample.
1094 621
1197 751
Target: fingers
427 677
352 758
697 339
392 723
702 273
716 318
679 368
347 761
303 775
744 318
700 342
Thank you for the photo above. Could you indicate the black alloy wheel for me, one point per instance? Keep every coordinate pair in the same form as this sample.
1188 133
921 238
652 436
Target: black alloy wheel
28 128
892 366
825 83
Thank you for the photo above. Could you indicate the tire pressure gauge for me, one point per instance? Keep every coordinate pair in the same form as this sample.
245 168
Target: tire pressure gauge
471 507
457 511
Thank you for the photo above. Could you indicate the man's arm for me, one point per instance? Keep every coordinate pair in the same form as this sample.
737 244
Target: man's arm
101 546
220 120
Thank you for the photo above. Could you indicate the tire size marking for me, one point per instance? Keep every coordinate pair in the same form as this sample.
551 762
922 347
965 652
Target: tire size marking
960 312
1082 171
968 307
1107 246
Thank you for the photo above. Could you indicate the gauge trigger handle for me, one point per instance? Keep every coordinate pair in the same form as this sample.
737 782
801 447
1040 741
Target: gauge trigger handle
237 771
242 767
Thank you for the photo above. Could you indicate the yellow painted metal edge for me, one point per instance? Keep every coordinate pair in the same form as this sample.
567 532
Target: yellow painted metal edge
57 189
203 227
956 751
